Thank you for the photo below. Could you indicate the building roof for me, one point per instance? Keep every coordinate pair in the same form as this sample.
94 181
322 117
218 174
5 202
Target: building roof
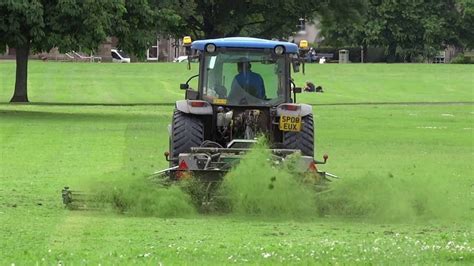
244 42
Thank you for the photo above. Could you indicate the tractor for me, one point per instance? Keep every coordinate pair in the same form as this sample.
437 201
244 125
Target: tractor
245 91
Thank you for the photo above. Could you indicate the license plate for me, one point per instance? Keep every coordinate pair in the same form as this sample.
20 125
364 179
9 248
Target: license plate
220 101
290 123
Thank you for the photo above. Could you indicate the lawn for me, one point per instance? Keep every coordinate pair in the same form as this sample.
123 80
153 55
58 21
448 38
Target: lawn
388 155
159 82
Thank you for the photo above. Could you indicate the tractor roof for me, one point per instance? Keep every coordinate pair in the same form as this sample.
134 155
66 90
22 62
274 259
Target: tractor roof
244 42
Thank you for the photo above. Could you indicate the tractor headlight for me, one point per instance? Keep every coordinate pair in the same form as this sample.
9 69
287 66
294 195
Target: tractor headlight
279 49
210 48
303 44
187 40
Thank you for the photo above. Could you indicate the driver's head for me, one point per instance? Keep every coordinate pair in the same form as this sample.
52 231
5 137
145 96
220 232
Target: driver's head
244 65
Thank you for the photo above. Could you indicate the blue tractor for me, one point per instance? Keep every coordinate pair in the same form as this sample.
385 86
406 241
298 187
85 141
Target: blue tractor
244 91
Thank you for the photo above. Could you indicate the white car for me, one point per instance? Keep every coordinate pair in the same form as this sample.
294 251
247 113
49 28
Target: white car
118 56
181 59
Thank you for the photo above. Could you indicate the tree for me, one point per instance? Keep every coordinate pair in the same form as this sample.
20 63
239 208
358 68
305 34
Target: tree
465 24
40 25
139 26
406 28
258 18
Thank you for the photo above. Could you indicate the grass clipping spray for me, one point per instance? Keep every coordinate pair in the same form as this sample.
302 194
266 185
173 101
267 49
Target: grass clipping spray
257 187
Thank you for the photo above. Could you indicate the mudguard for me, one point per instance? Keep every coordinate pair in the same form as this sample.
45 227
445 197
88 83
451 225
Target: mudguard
301 109
185 106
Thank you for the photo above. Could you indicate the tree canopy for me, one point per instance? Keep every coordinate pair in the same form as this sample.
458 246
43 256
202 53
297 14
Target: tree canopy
40 25
44 24
406 28
258 18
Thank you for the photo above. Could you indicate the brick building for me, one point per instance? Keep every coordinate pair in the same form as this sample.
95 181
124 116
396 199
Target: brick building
164 50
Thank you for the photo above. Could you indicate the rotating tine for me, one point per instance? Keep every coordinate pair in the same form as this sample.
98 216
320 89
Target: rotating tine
331 177
74 199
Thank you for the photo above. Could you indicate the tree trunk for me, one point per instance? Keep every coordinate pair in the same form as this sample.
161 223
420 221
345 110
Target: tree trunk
392 53
20 94
364 54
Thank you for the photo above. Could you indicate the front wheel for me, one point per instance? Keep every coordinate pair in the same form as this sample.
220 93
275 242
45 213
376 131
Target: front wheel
303 140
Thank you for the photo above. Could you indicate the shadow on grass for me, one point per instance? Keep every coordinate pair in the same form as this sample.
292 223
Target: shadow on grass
74 116
172 103
87 104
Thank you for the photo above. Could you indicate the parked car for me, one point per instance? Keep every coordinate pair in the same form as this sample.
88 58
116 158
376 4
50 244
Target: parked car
181 59
118 56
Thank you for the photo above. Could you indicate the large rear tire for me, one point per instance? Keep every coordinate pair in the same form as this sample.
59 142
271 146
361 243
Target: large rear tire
303 140
187 131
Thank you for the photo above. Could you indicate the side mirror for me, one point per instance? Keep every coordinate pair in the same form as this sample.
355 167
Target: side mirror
297 90
185 86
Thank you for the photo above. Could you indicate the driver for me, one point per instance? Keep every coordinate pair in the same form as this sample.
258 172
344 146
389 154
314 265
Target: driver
248 81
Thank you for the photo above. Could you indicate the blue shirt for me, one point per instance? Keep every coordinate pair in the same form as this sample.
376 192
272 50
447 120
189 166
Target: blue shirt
250 82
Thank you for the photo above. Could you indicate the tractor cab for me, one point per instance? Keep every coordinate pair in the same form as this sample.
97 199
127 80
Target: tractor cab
243 71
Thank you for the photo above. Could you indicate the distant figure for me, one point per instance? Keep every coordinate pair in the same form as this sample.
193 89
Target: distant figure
322 60
309 87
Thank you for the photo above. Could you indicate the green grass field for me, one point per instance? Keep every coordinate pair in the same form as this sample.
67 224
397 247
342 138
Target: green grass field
159 83
388 155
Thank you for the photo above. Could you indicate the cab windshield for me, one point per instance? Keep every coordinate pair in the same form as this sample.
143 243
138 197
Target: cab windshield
244 78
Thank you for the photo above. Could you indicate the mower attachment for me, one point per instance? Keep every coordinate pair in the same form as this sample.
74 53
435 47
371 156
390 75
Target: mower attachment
74 200
212 163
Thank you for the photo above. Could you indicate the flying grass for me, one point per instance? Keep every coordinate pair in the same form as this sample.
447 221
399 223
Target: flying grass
140 197
256 187
394 199
259 188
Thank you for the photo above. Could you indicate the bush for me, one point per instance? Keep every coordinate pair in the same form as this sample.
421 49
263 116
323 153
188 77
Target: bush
462 59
